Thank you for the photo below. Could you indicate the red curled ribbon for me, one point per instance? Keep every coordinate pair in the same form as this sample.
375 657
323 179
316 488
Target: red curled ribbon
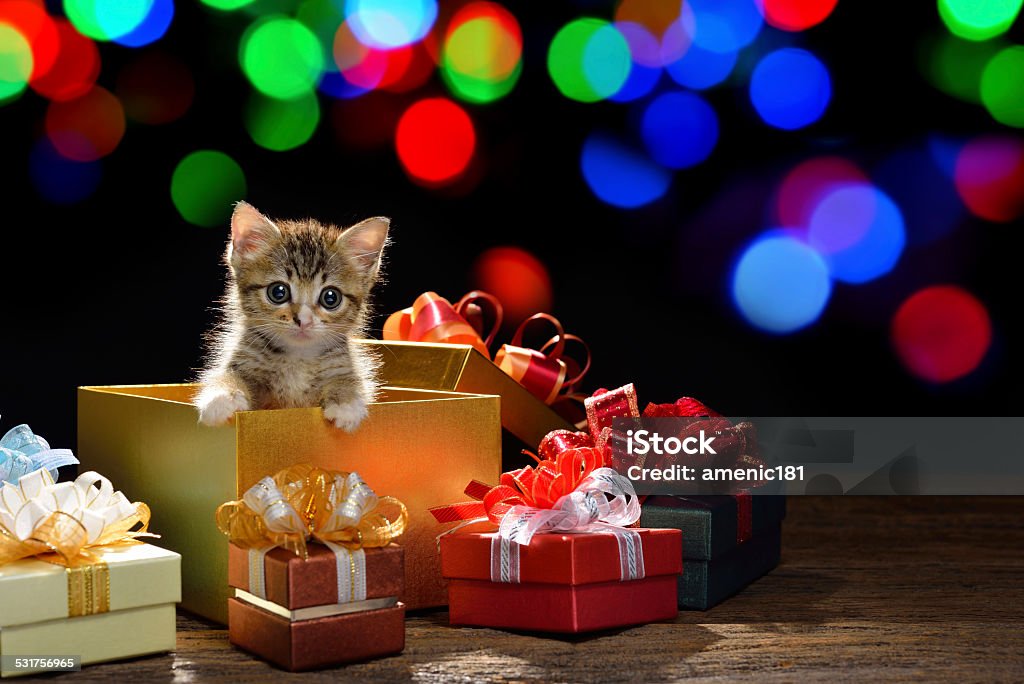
547 372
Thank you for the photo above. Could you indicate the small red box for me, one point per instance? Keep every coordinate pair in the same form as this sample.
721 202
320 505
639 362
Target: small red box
296 583
317 643
569 582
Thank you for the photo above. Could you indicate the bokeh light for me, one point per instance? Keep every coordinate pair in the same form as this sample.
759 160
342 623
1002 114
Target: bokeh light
156 88
725 26
482 55
989 177
925 193
15 62
515 277
656 16
362 68
76 68
679 129
859 231
435 141
108 19
152 28
88 127
941 333
281 125
790 88
619 175
589 60
34 27
281 57
390 23
60 180
796 15
700 68
806 184
204 187
226 5
780 284
955 66
646 69
1002 87
978 19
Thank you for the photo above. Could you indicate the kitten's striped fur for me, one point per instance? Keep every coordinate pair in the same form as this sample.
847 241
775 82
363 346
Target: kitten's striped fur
299 352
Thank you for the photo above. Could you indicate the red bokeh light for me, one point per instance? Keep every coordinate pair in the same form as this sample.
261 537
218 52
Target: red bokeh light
941 333
435 141
989 177
796 15
517 278
87 128
30 19
76 67
156 88
808 183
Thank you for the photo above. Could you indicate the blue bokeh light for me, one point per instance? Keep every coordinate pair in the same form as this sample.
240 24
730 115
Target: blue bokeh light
646 68
152 28
334 83
699 68
388 24
59 179
780 284
859 231
790 88
725 25
679 129
620 175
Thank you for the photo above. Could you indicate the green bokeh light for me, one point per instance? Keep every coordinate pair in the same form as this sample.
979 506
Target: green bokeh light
482 60
107 19
205 185
589 60
15 62
979 19
281 57
1002 87
954 65
281 125
226 5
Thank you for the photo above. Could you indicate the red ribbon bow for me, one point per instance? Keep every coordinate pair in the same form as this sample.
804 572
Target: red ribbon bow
546 372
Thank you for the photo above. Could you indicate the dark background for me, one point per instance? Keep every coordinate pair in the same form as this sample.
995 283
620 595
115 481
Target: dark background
118 289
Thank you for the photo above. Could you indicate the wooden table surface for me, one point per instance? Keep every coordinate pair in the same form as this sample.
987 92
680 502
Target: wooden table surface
870 588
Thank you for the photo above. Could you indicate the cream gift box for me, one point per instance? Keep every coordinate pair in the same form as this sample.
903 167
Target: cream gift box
417 445
50 610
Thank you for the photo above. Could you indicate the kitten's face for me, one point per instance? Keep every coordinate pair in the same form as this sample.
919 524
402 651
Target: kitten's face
301 285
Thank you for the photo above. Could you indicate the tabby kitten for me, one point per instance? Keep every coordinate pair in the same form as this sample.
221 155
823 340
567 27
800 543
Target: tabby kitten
297 295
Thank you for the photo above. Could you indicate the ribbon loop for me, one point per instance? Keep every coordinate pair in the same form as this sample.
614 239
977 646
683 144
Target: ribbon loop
22 451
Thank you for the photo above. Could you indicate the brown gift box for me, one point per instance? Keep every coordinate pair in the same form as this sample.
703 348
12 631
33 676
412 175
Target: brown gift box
461 368
418 446
321 642
295 583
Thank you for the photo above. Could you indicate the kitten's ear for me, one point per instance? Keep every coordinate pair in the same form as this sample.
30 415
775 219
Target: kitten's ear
251 231
364 243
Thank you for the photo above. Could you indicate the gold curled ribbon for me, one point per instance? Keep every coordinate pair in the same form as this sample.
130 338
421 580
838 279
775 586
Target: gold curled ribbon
303 502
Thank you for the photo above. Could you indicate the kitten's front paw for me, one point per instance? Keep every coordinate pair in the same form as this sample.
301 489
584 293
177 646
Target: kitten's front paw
346 416
219 408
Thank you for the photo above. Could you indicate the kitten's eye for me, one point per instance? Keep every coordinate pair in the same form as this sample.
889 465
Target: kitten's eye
330 298
278 293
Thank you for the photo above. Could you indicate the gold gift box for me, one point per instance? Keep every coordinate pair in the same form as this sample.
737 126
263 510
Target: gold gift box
420 446
461 368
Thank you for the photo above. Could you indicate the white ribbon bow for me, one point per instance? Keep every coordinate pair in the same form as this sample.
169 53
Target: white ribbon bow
603 503
350 499
23 506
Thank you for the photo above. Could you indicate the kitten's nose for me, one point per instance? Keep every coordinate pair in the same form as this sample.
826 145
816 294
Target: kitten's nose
303 317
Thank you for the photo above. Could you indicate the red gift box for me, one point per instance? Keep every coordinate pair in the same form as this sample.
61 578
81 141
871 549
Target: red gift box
295 583
568 582
321 642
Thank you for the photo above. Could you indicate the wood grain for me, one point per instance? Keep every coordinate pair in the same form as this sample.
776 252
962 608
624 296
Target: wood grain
878 589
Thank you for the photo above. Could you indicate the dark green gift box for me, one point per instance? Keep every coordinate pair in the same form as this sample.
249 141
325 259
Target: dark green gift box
728 541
